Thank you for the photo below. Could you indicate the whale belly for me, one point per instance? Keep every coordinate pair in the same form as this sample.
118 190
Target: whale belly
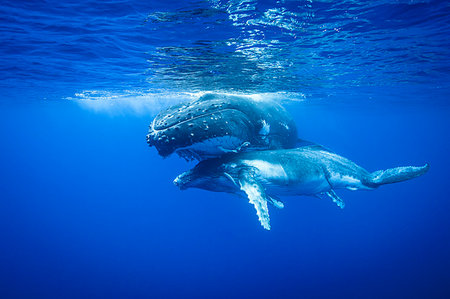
309 185
307 189
279 180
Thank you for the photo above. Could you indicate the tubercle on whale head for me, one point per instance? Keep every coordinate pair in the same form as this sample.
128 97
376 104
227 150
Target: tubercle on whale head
184 112
187 137
158 140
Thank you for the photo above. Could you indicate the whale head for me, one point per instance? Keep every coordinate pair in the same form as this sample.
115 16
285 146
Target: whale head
208 175
216 124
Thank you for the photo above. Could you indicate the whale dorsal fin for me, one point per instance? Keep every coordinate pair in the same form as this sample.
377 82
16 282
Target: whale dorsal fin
256 196
311 145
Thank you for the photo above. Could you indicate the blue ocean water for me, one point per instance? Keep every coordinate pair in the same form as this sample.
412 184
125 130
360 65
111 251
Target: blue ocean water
87 209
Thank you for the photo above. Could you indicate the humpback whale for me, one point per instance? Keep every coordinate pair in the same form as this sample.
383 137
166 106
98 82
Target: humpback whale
311 170
216 124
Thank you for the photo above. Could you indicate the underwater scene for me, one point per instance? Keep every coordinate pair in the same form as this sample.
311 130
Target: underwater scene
224 149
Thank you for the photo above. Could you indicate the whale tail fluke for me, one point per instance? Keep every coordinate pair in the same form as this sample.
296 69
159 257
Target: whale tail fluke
395 175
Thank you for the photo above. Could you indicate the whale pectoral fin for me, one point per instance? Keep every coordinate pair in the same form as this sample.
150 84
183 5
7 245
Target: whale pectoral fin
236 150
276 202
256 196
228 176
335 198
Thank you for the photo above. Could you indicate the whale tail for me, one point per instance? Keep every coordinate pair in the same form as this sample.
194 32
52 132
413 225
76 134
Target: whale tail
395 175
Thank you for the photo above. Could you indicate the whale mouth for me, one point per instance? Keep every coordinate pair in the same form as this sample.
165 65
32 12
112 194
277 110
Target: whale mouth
188 155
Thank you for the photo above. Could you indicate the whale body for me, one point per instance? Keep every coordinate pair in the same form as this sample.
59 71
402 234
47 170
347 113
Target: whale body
216 124
312 170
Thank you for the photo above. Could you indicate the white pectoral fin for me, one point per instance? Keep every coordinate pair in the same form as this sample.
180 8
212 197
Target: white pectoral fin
256 196
336 199
228 176
333 196
276 202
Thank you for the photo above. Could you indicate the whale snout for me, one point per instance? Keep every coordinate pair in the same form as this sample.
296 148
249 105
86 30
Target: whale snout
178 182
182 181
161 140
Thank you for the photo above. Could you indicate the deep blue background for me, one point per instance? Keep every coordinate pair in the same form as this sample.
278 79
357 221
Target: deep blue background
88 210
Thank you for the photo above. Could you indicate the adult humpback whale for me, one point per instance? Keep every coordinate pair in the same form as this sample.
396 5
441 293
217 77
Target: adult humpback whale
310 170
216 124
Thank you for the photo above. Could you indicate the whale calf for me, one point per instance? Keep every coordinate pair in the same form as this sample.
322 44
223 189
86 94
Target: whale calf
310 170
216 124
